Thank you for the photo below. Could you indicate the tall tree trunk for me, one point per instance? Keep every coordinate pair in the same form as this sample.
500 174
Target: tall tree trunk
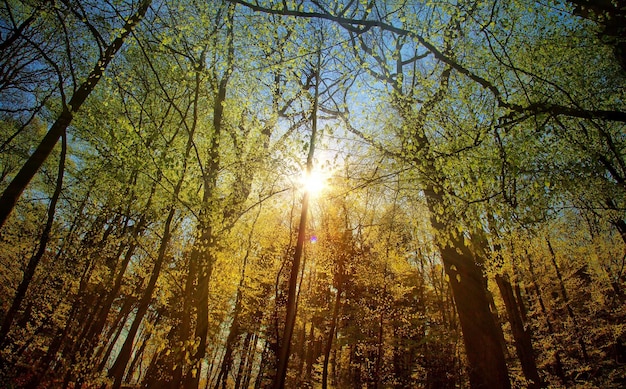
262 366
114 333
231 340
139 353
483 343
184 328
235 327
161 369
301 351
13 192
331 338
521 335
483 347
249 363
310 354
204 250
514 308
62 340
117 370
245 352
204 247
90 340
568 306
486 365
560 371
290 317
481 335
29 272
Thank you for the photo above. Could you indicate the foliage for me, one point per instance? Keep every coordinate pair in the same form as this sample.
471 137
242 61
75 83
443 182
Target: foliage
470 147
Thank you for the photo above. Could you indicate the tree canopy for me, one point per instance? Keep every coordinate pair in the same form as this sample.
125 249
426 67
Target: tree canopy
160 227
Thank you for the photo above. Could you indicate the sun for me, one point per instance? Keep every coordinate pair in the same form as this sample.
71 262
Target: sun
315 182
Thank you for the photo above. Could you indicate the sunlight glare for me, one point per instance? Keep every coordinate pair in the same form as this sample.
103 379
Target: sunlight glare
315 182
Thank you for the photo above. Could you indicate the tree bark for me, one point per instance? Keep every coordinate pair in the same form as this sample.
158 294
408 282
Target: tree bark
235 327
204 247
139 353
249 363
231 341
486 365
114 333
90 340
483 345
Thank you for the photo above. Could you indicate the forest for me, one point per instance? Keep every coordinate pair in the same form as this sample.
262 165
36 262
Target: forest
312 194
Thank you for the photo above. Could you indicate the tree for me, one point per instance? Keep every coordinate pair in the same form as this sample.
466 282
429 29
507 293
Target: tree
13 191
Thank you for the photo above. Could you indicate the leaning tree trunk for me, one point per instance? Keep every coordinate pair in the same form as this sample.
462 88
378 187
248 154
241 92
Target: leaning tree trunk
484 344
33 263
515 311
117 370
13 192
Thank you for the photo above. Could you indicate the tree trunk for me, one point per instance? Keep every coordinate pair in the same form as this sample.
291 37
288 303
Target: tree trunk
301 351
139 354
117 370
116 330
263 365
522 336
331 338
568 306
90 340
481 335
204 248
29 272
560 372
204 253
231 341
483 345
245 352
161 369
290 318
249 363
13 192
235 327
